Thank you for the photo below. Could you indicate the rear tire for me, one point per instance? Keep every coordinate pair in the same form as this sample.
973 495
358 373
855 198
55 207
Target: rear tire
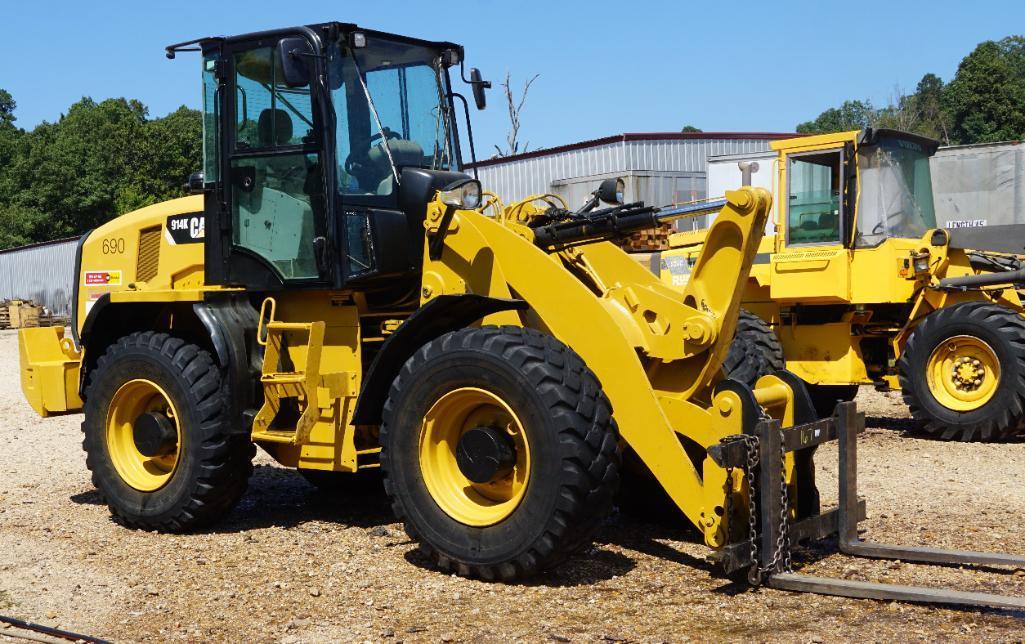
754 352
962 373
564 440
186 486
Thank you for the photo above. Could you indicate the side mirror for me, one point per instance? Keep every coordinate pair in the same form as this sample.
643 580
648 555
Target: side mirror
611 191
479 85
293 53
194 185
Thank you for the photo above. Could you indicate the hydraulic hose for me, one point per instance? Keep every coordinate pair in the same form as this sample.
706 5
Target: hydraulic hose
984 279
621 220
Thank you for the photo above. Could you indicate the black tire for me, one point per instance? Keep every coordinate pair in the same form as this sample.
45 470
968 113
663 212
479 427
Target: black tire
573 444
1004 331
754 352
215 461
825 398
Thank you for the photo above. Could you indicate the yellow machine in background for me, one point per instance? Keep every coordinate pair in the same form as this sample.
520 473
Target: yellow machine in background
338 297
861 286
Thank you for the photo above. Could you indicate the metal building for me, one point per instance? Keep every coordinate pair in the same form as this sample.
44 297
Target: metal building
43 273
659 168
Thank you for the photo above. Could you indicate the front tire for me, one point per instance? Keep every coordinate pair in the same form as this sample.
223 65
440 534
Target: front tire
157 438
962 373
499 452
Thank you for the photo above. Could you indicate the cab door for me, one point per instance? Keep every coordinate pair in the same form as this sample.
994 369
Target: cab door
272 207
812 265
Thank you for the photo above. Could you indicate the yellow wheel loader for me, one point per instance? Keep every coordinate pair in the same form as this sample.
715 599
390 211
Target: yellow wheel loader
338 297
860 285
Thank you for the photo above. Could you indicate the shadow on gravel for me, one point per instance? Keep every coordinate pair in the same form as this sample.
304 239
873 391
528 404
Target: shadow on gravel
283 498
593 565
909 428
89 497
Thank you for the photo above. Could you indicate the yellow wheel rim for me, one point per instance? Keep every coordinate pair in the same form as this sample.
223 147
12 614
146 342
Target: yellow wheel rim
451 416
963 373
132 400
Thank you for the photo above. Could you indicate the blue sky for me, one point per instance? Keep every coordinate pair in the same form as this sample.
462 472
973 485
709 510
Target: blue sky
606 67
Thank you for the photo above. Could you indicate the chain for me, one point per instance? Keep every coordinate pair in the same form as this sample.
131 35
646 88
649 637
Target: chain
754 573
781 557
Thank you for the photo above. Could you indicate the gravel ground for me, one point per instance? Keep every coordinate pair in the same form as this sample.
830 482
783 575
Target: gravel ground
293 565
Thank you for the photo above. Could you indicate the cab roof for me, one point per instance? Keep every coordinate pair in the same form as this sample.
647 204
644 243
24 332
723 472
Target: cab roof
323 31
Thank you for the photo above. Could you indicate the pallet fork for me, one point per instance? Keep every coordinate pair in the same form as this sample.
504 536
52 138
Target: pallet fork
775 535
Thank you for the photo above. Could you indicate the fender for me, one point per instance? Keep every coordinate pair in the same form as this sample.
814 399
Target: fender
232 323
438 316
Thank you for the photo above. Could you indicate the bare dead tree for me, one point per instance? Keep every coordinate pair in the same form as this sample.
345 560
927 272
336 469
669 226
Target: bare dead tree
515 107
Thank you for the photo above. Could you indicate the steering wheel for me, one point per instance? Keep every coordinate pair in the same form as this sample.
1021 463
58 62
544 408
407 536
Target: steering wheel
388 134
878 228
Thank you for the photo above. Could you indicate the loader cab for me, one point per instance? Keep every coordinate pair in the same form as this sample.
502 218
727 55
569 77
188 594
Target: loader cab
855 189
322 147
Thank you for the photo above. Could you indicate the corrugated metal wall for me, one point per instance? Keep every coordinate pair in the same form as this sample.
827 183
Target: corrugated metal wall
44 273
518 178
979 184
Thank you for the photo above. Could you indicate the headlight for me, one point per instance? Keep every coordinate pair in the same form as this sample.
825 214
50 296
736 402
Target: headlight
464 194
921 262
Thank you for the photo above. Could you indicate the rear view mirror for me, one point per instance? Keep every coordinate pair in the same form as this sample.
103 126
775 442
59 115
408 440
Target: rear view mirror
479 85
294 52
195 183
611 191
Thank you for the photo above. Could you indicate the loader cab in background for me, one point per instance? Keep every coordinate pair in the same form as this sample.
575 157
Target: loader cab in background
847 191
857 189
322 148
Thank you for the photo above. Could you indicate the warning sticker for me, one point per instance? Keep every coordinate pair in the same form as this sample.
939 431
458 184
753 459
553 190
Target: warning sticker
103 278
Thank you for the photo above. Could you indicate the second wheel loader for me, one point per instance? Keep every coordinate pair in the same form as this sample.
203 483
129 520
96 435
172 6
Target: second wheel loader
337 298
861 285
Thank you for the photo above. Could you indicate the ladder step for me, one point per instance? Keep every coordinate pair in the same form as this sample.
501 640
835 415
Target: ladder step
283 378
275 436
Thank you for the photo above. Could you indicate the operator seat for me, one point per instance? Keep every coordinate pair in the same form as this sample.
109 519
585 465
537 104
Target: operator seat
404 152
274 128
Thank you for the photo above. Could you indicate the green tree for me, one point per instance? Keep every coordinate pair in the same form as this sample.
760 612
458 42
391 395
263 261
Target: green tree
934 121
852 115
691 128
99 160
7 106
986 98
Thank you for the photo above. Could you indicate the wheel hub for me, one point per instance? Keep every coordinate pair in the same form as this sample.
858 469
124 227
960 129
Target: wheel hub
144 437
474 456
963 373
968 373
485 454
154 434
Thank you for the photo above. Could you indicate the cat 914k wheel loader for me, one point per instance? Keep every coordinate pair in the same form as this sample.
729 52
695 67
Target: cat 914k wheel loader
338 298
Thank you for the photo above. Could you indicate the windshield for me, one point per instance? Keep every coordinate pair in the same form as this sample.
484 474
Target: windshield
390 101
896 192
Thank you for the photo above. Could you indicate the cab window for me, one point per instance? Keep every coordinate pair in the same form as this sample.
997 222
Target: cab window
275 177
815 189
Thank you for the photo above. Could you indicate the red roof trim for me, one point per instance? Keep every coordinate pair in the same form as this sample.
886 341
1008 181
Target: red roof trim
634 136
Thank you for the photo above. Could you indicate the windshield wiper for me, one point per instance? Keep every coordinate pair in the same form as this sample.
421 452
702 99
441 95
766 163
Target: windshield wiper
377 120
